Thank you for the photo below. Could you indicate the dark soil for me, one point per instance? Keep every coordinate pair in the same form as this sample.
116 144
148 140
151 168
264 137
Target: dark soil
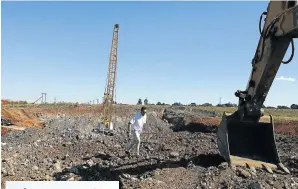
178 150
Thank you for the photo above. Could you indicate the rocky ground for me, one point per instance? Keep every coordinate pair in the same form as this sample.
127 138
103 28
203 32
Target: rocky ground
178 150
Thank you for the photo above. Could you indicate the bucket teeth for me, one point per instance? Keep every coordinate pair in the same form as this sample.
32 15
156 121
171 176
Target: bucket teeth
252 169
253 164
267 168
282 167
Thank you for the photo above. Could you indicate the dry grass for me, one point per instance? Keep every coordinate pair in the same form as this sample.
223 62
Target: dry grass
278 114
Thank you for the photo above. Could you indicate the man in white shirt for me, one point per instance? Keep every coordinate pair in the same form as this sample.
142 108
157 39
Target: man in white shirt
137 123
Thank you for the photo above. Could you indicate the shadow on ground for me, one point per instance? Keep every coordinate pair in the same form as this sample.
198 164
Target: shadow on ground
114 173
194 127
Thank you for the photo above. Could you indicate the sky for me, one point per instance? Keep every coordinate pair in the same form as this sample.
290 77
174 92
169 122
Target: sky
168 51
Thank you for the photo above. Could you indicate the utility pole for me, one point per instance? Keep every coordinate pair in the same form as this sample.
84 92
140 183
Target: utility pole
43 98
220 101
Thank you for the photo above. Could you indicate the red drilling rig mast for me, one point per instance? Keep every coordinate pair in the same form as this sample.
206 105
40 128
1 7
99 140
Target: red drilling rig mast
108 99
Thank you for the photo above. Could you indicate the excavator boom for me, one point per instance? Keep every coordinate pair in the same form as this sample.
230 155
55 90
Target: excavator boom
245 138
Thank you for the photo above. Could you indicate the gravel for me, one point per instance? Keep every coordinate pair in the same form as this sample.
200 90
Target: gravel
67 149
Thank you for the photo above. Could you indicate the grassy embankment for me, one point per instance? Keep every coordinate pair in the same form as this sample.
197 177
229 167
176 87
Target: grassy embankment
278 114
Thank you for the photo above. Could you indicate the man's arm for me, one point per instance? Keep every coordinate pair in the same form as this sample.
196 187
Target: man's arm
129 124
145 120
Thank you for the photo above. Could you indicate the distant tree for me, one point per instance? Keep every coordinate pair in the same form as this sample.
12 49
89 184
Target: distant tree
294 106
270 107
192 104
282 107
7 101
158 103
3 101
206 104
177 104
140 102
146 101
229 104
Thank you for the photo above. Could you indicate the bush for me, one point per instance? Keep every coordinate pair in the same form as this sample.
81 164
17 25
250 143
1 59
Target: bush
294 106
177 104
5 101
146 101
140 102
230 105
270 107
206 104
227 105
282 107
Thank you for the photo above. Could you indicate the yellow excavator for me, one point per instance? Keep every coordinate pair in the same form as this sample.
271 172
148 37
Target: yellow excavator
246 137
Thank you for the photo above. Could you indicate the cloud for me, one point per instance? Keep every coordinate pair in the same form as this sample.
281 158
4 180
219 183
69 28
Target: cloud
291 79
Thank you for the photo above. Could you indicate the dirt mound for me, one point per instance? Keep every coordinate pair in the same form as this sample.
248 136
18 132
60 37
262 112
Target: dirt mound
199 121
211 121
286 127
20 117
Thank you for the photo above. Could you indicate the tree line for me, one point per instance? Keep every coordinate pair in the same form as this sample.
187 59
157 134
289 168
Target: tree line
146 102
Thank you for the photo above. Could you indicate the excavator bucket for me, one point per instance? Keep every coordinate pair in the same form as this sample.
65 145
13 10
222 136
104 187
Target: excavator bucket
245 143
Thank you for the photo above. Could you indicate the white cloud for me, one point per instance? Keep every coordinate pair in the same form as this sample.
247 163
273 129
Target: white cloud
291 79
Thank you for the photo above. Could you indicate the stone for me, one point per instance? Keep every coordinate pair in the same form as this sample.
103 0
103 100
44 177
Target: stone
174 154
34 168
223 165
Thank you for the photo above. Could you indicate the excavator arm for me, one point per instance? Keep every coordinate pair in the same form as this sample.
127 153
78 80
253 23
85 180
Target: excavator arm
243 139
280 27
